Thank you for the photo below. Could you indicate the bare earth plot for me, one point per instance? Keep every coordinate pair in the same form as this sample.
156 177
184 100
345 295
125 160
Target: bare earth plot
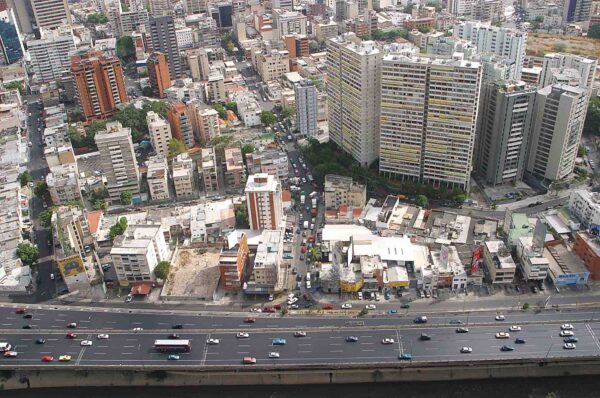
539 44
194 274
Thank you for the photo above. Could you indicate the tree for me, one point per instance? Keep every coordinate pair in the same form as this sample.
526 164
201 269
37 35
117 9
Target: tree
227 43
176 147
135 119
46 218
231 106
41 189
28 253
594 31
16 85
314 254
126 48
118 228
147 91
99 204
313 47
422 201
161 271
241 217
24 178
267 118
247 148
592 117
221 110
96 19
460 198
424 29
287 112
126 198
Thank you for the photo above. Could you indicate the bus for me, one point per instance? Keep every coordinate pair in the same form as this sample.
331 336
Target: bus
173 345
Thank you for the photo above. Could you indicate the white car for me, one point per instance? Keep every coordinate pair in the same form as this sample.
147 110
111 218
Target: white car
370 306
466 350
346 306
212 341
515 328
273 355
499 317
566 333
569 346
293 301
103 337
387 341
242 335
86 342
566 326
502 335
294 306
137 329
300 334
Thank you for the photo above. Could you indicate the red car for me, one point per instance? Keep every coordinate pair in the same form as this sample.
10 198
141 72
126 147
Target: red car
268 310
47 358
71 335
327 306
303 250
249 360
20 310
249 320
277 306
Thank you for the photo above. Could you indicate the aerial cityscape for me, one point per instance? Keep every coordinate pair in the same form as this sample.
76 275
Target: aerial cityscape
283 192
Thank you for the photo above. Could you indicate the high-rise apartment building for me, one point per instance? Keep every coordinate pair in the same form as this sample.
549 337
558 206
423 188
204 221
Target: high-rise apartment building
164 40
100 85
199 63
24 14
556 132
181 125
289 23
11 47
159 8
263 199
51 13
273 64
50 55
556 64
460 7
209 171
488 39
160 133
118 160
205 121
503 131
195 6
183 175
306 108
124 23
233 263
157 177
353 96
428 118
576 10
282 4
158 74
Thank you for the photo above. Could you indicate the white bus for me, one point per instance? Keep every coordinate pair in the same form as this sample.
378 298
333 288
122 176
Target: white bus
173 345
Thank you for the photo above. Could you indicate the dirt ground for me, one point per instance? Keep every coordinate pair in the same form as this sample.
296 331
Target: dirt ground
539 44
194 273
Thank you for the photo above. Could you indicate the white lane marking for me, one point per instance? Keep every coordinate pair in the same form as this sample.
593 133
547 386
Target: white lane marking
128 346
99 353
367 343
335 344
336 351
368 350
243 352
127 353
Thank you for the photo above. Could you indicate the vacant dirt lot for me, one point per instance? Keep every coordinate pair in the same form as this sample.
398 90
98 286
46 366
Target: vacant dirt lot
194 273
539 44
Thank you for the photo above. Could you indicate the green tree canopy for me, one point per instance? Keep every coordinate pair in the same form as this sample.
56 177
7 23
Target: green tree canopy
424 29
267 118
592 117
24 178
46 218
287 112
126 198
41 189
594 31
126 48
247 148
147 91
241 217
28 253
221 110
422 201
161 271
96 19
176 147
313 47
231 106
118 228
16 85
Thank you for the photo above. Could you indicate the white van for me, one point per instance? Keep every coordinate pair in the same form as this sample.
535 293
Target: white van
5 347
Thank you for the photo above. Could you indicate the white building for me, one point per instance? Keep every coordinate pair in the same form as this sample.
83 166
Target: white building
158 178
289 22
249 109
499 262
273 64
267 271
50 55
556 63
353 96
264 202
137 252
269 161
306 108
184 37
63 183
183 175
533 264
160 133
208 123
51 14
585 205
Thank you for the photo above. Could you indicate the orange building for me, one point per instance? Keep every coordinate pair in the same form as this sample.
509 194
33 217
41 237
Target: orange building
181 124
233 265
587 247
99 82
158 72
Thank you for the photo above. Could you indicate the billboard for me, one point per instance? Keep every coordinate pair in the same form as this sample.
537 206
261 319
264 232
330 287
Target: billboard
71 266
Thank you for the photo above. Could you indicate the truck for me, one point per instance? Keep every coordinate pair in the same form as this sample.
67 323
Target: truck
313 194
305 225
302 199
314 203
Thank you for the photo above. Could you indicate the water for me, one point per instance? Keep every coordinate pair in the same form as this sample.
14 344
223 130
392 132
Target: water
565 387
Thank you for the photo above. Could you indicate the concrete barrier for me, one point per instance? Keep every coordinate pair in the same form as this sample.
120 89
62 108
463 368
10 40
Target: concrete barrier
44 376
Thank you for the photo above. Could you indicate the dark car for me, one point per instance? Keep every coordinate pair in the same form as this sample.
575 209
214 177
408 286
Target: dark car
420 319
173 336
462 330
571 339
424 337
178 326
28 316
455 322
507 348
520 340
27 327
351 339
40 341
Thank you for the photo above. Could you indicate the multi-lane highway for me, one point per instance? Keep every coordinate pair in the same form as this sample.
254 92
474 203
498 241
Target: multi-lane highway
325 342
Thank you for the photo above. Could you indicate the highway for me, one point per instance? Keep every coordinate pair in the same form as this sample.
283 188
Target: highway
325 342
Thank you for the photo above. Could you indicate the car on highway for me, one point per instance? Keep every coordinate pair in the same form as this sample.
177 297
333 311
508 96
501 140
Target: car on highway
571 339
507 348
424 337
71 336
520 340
213 341
273 355
242 335
249 320
462 330
27 326
466 350
72 325
566 326
86 343
47 358
279 341
346 306
173 336
20 310
569 346
327 306
173 357
64 358
249 361
502 335
351 339
103 337
420 319
138 329
566 333
387 341
255 310
370 306
404 305
405 356
499 317
393 311
299 333
294 306
514 328
10 354
27 316
455 322
40 341
177 326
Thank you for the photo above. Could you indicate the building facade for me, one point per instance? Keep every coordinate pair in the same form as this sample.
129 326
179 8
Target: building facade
181 125
342 191
50 55
183 175
209 171
158 178
264 202
164 40
160 133
235 172
50 14
306 108
158 73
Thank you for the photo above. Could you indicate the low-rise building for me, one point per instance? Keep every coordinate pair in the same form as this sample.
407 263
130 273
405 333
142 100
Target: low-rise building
565 268
267 273
160 133
63 183
532 263
273 64
342 191
235 172
585 205
158 178
249 109
587 247
269 161
183 175
499 262
233 263
209 171
212 221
